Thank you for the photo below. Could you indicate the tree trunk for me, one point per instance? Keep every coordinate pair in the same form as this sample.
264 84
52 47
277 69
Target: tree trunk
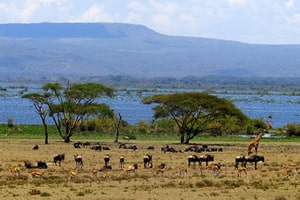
67 139
45 130
181 138
187 139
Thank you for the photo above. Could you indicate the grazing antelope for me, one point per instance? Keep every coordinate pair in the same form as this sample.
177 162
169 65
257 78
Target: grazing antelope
131 168
72 175
182 170
240 170
288 171
94 172
106 176
37 174
216 168
78 161
160 169
122 161
14 170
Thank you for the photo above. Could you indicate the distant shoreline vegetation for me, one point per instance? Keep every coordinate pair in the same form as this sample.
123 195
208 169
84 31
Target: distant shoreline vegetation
276 83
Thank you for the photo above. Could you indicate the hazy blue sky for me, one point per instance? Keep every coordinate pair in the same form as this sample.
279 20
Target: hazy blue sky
252 21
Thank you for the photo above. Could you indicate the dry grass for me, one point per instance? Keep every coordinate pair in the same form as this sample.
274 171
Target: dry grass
268 182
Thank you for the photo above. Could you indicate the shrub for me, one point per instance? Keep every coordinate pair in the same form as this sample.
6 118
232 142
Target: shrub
293 129
10 122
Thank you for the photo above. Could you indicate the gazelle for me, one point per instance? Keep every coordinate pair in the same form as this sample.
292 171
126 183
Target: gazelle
14 170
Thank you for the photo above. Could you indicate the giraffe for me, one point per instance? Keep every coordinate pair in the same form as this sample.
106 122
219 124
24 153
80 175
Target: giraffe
254 143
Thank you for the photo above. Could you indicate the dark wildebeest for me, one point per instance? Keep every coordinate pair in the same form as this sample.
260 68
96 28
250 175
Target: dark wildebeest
40 165
122 161
96 147
86 144
147 161
206 158
255 159
35 147
193 159
78 160
58 158
240 159
77 145
106 160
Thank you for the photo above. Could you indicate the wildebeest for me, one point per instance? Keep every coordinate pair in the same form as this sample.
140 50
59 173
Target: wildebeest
86 144
193 159
78 161
96 147
106 160
35 147
105 148
167 148
240 159
255 159
77 145
206 158
122 161
58 158
40 165
147 161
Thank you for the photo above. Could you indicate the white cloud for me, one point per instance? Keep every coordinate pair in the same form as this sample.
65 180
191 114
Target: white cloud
289 4
95 13
240 2
242 20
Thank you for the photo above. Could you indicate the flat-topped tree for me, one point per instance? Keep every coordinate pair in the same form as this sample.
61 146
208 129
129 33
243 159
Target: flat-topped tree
194 112
68 106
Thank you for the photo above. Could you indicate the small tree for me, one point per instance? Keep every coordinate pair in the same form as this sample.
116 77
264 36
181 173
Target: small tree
39 103
194 113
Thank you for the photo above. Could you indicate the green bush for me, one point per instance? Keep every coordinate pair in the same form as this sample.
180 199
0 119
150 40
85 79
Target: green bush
293 129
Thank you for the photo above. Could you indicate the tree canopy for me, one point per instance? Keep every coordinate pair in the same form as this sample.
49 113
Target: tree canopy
195 113
68 106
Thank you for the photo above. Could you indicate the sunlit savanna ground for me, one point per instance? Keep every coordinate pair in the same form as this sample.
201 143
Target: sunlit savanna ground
268 182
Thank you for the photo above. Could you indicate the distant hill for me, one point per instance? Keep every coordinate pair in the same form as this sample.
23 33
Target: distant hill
100 49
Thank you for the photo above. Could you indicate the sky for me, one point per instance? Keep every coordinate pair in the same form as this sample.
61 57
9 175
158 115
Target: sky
250 21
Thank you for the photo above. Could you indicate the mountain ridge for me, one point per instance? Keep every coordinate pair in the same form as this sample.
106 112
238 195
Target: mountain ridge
87 49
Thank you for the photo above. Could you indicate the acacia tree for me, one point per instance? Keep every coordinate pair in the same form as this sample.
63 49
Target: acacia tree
70 105
194 113
39 103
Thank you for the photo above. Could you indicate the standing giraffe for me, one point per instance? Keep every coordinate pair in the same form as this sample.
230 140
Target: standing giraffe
254 143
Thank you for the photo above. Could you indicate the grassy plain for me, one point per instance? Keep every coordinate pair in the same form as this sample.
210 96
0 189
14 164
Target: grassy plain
268 182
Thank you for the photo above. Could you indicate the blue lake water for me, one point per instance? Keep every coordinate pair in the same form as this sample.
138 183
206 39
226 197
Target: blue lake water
284 109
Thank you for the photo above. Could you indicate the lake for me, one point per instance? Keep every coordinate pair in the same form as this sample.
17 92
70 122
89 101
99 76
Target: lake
284 109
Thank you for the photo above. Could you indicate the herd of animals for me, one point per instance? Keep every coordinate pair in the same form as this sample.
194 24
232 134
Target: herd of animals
192 160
